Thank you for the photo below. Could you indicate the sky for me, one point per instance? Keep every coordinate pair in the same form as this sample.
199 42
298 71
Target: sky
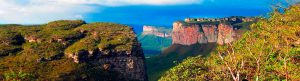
136 12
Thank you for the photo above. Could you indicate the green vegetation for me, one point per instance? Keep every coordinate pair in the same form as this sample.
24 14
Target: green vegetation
37 52
152 44
170 57
18 76
9 42
270 51
236 21
103 36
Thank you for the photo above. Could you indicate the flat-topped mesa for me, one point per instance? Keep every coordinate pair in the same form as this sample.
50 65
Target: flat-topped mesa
212 30
151 30
113 46
233 18
73 50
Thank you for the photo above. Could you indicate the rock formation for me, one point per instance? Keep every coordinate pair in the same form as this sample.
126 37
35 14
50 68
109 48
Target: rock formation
117 50
71 50
226 34
151 30
200 30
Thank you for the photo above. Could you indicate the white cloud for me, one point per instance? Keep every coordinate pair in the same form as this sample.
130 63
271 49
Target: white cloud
39 11
42 11
146 2
132 2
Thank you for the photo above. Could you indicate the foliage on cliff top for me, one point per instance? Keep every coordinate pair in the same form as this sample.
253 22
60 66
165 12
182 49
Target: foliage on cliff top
104 36
236 21
270 51
37 52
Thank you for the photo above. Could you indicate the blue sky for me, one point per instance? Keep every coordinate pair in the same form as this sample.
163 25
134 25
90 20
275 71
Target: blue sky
139 12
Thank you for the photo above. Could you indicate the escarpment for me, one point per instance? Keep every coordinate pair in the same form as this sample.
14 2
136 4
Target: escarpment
72 50
157 31
202 31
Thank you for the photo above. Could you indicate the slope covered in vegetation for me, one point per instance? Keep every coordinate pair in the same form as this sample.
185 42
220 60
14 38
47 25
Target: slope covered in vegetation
269 51
42 52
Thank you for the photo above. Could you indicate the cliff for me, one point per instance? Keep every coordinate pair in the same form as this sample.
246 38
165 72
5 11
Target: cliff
202 31
259 54
71 50
157 31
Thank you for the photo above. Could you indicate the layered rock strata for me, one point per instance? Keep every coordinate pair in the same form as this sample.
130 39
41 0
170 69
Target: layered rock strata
220 31
151 30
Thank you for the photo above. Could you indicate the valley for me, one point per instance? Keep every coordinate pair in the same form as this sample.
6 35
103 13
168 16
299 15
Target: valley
150 40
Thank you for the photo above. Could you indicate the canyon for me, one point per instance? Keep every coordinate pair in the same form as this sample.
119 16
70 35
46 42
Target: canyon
155 39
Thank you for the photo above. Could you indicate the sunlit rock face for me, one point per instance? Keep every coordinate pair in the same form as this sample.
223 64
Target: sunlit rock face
226 34
210 32
205 33
202 31
187 35
151 30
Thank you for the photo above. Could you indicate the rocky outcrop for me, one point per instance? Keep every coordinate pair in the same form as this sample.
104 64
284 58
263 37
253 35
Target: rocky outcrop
32 39
118 51
226 34
151 30
129 63
200 30
131 66
210 32
187 35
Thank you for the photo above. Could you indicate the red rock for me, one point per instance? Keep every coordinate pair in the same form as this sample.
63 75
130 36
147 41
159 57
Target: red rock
185 35
188 34
210 32
226 34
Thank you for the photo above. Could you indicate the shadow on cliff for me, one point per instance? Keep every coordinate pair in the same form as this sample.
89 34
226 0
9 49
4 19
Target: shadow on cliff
173 55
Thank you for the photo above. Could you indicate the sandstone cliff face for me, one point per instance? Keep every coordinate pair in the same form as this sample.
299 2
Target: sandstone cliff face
192 31
151 30
117 50
130 64
226 34
187 35
210 32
